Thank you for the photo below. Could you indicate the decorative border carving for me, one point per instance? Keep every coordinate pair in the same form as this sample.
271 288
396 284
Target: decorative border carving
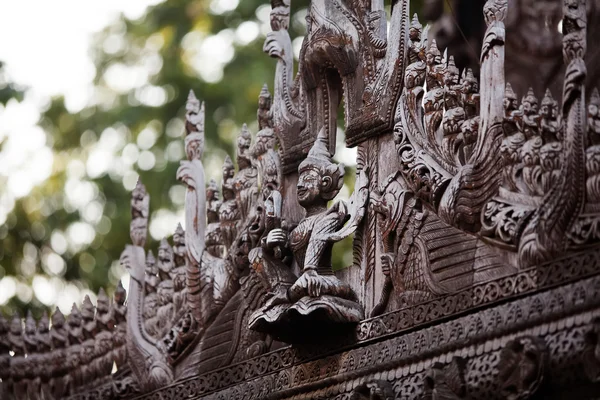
405 359
444 337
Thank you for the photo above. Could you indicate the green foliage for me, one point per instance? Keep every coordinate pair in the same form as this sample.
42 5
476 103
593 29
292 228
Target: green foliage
165 44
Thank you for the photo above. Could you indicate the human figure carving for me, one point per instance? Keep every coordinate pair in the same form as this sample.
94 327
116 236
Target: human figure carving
165 260
317 288
90 331
551 151
229 212
512 142
178 272
455 113
530 152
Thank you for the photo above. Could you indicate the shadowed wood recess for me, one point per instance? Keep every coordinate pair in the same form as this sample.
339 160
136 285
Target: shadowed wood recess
475 220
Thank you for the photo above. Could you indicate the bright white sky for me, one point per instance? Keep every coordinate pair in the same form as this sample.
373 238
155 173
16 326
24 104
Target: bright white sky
44 45
45 42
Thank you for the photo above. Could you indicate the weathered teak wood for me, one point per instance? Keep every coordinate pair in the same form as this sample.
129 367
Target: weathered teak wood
475 221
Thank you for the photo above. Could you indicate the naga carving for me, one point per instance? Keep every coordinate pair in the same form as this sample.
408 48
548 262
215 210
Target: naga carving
144 356
475 216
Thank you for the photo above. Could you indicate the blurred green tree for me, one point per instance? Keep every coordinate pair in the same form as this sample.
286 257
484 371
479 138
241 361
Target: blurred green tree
67 234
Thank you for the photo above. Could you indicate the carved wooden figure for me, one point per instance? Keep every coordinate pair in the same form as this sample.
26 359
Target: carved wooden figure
475 216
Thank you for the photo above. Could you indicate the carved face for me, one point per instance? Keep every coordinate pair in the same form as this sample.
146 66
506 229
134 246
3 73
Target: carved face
510 104
149 306
178 239
529 107
309 187
162 254
594 117
451 77
165 294
414 34
228 172
547 111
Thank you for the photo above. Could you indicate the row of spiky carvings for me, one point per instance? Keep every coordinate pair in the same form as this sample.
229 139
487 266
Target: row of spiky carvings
462 197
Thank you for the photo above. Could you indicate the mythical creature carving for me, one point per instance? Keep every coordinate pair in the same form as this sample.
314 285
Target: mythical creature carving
145 358
546 233
522 367
480 190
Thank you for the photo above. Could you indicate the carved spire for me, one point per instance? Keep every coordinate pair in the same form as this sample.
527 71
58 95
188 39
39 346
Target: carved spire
191 173
43 335
547 233
228 170
165 259
194 127
58 332
264 107
451 73
531 99
30 334
243 144
102 303
151 277
74 325
415 26
434 51
509 93
87 309
548 100
140 207
179 246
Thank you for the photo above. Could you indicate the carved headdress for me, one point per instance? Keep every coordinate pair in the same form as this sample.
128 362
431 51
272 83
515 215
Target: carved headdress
531 99
319 159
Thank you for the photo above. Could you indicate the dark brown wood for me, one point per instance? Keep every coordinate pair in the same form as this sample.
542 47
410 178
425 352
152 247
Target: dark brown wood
475 221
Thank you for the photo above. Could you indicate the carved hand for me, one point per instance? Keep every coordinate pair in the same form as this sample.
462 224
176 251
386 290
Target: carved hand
387 260
273 44
312 282
277 237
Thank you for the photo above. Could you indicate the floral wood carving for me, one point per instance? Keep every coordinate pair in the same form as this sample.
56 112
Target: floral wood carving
466 205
